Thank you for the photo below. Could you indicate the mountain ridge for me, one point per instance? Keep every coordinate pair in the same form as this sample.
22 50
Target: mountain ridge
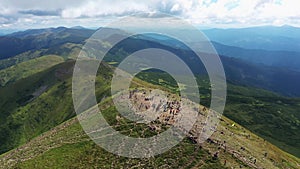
255 109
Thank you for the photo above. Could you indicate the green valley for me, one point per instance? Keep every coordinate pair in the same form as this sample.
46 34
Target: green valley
39 127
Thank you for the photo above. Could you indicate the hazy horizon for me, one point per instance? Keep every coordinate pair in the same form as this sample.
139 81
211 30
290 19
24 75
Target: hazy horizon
14 30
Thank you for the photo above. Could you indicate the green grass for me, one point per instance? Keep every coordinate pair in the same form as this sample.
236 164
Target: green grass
23 57
89 155
39 102
28 111
274 118
62 157
25 69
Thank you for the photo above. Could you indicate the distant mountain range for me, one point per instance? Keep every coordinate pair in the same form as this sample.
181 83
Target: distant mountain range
238 63
262 56
289 60
272 46
285 38
277 71
19 42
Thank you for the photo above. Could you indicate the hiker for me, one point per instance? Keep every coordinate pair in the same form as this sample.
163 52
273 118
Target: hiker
225 162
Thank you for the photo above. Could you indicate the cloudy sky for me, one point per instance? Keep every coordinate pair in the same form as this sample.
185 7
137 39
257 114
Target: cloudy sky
19 14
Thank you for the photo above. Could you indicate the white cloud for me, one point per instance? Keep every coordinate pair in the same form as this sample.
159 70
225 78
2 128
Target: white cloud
246 12
104 8
199 12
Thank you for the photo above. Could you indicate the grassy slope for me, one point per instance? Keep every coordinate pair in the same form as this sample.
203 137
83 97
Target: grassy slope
67 146
25 69
66 51
33 105
273 117
237 137
37 103
23 57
